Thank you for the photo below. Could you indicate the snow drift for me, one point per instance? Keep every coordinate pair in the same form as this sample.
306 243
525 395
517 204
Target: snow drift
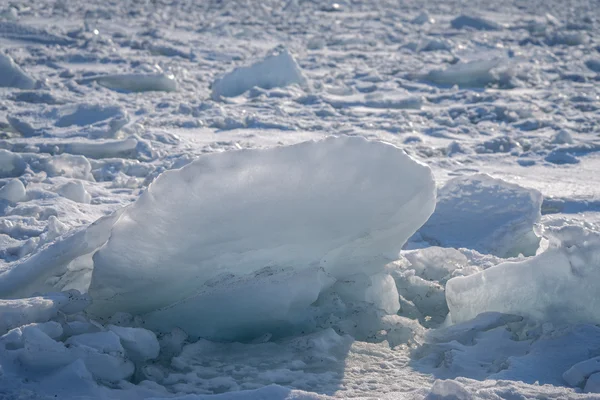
237 243
278 69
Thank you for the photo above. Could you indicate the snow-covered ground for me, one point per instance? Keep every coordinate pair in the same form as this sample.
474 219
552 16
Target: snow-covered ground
270 260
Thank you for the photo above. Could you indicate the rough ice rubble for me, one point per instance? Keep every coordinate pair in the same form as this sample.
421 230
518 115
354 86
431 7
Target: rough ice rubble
278 69
485 214
256 235
558 285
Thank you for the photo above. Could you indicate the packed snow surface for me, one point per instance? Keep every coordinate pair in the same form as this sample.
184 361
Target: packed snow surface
274 227
152 149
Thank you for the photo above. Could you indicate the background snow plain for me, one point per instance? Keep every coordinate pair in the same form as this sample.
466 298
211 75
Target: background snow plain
495 297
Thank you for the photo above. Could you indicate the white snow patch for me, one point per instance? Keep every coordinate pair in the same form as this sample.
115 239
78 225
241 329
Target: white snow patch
274 227
278 69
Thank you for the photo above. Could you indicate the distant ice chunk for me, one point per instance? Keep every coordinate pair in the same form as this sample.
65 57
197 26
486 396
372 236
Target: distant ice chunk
11 75
86 114
475 22
395 102
239 239
13 191
485 214
103 149
563 38
135 82
593 64
422 19
559 285
68 166
448 390
11 164
278 69
75 191
476 73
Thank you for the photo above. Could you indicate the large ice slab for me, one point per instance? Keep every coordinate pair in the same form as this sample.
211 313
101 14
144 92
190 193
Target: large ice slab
485 214
560 284
241 238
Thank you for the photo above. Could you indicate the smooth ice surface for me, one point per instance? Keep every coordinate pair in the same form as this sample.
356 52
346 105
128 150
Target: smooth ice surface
276 70
250 218
558 285
486 214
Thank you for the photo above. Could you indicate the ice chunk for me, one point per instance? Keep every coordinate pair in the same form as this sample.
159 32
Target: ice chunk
13 191
557 285
476 73
593 384
422 19
485 214
104 149
140 344
593 64
276 70
68 166
102 354
448 389
19 312
475 22
578 373
135 82
88 114
11 75
32 274
251 236
75 191
11 164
